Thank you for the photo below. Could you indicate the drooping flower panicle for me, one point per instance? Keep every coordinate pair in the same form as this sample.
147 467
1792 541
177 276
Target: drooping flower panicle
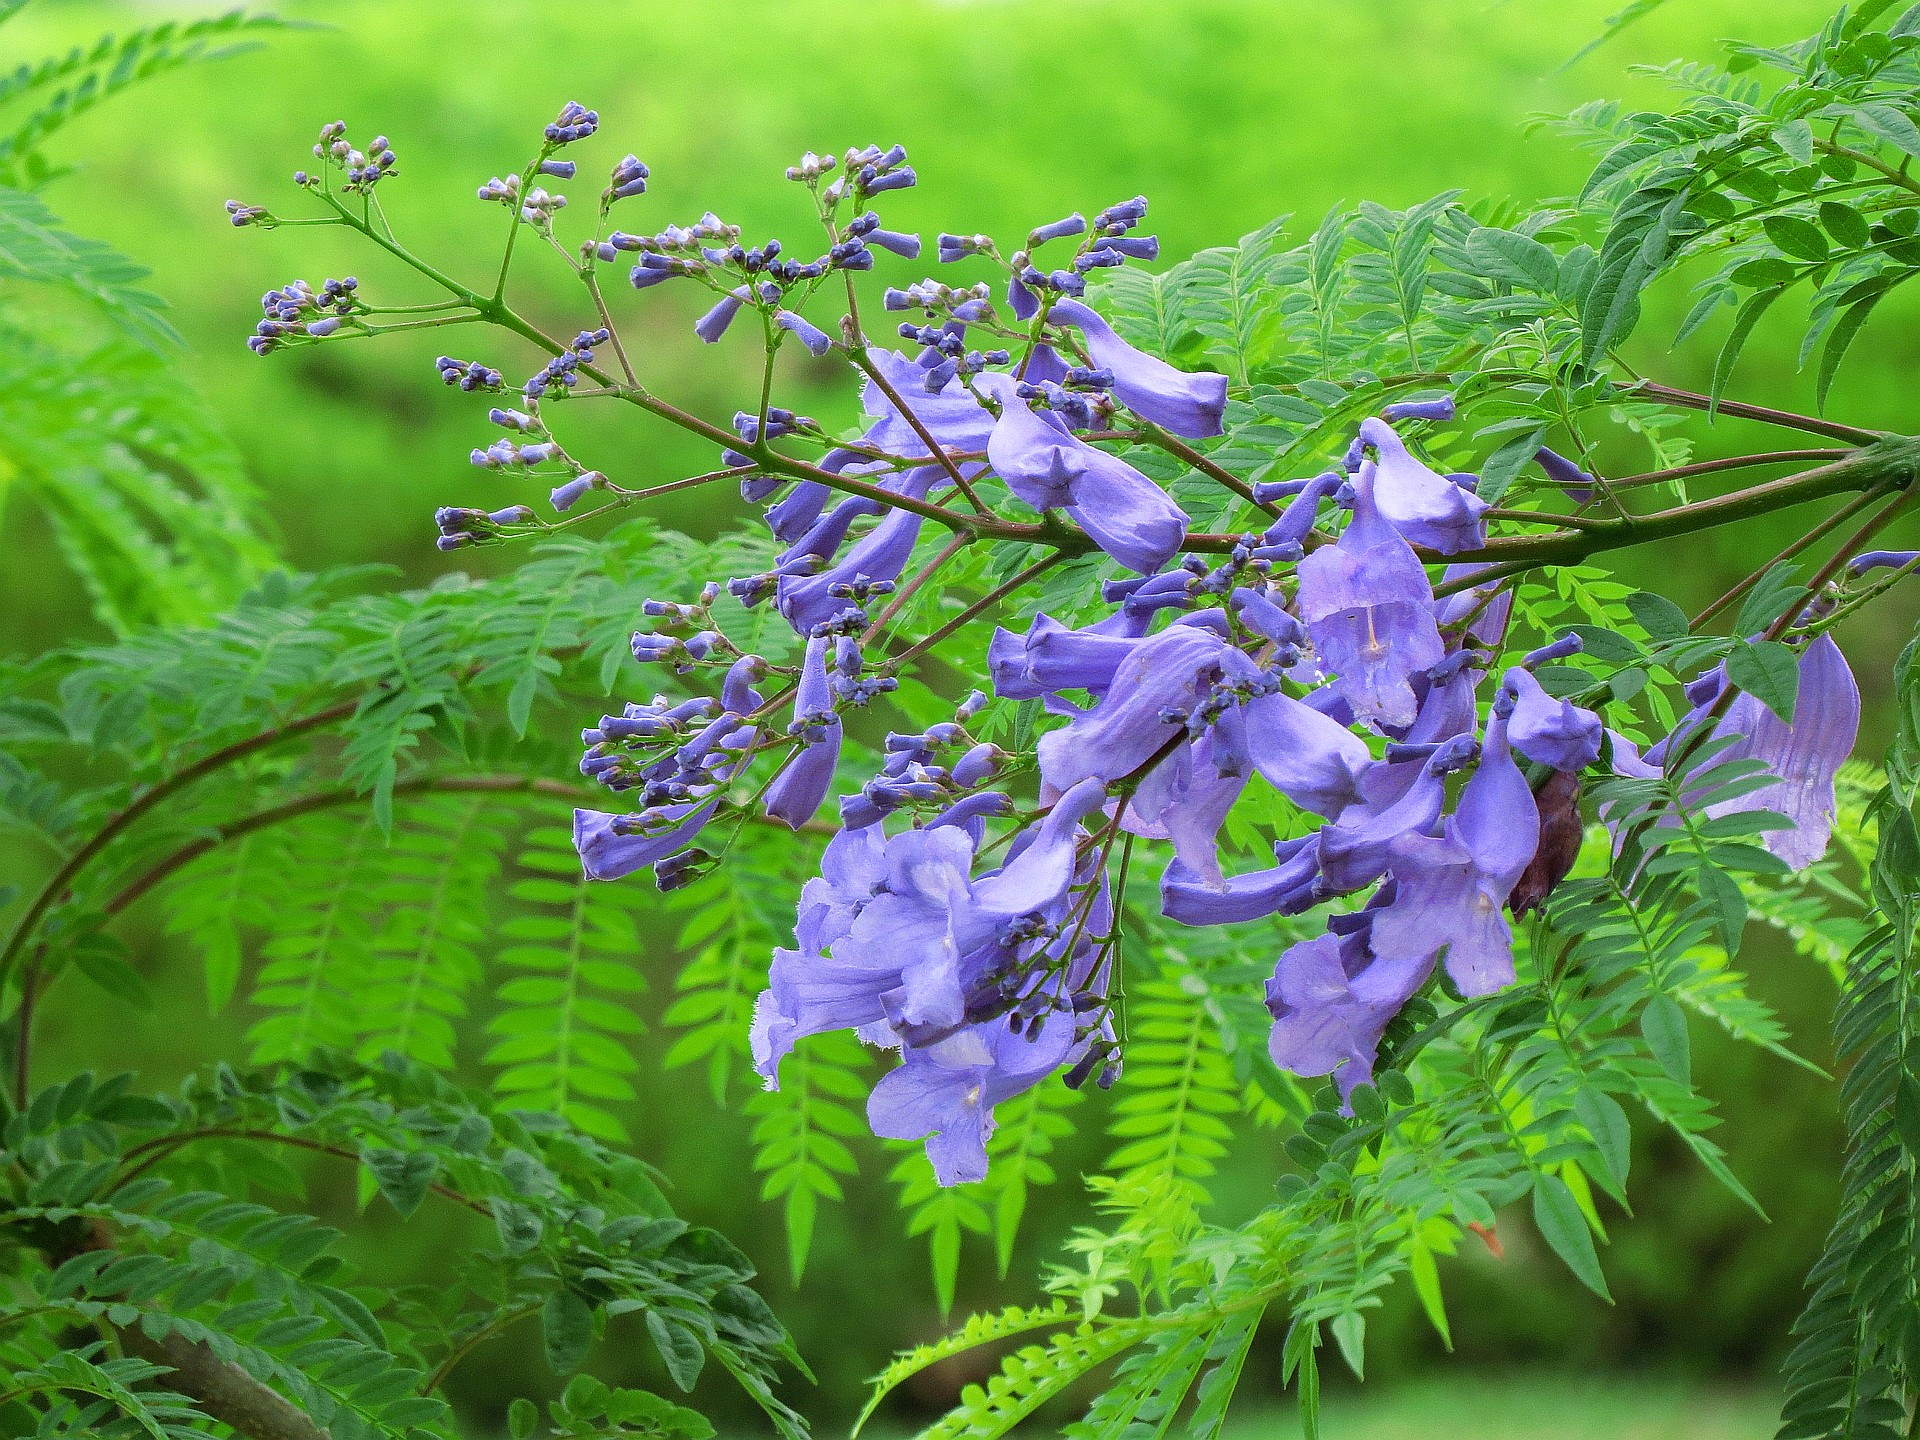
964 911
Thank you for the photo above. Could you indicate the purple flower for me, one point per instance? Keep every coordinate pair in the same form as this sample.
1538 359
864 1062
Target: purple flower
1484 608
1368 606
1577 483
1051 657
1031 450
1547 731
1881 560
1290 887
1128 515
1074 224
1805 755
880 555
1424 506
950 413
946 1093
1185 799
1331 1001
1313 760
933 927
1164 672
1440 409
1186 403
712 325
1450 888
611 846
1021 300
1357 849
803 783
817 341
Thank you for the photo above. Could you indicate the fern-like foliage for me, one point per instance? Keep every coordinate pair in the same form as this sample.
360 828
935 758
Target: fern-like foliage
130 1217
1855 1370
145 494
573 956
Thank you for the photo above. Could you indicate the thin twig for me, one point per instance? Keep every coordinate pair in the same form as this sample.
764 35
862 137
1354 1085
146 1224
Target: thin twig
984 603
1787 419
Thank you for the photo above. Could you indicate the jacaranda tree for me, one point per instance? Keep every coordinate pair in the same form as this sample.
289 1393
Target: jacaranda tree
1199 685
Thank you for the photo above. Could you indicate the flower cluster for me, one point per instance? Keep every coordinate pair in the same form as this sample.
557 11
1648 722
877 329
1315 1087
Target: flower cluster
298 311
965 913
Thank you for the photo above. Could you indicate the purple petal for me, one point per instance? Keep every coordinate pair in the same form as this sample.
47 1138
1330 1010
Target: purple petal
1186 403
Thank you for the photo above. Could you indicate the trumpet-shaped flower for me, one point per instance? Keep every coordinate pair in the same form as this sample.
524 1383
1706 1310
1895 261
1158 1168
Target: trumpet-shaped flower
1368 606
1185 402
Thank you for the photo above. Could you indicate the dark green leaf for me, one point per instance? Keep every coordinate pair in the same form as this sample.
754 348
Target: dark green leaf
1517 259
1658 616
680 1349
1664 1024
1751 310
1799 238
402 1175
1845 224
1563 1227
1607 1123
566 1330
1769 671
1839 340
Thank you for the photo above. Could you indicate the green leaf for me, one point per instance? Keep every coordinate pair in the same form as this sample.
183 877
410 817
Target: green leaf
1607 1123
1770 672
1426 1284
1906 1113
523 1418
115 976
1658 616
1722 892
1350 1332
1771 594
1796 138
1664 1024
1518 259
33 247
1883 122
1839 340
680 1349
1751 310
566 1330
1845 224
402 1175
1794 236
1561 1224
520 700
519 1228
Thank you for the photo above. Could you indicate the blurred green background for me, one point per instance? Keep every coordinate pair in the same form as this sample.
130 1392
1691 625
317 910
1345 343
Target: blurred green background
1224 113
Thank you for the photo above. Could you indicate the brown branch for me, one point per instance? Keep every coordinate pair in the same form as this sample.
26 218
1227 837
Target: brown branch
1786 419
156 1150
323 800
222 1390
56 887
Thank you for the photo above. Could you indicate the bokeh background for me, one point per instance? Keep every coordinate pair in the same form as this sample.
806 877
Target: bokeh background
1225 113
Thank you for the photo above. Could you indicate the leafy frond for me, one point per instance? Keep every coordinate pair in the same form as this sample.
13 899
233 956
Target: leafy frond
565 1014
